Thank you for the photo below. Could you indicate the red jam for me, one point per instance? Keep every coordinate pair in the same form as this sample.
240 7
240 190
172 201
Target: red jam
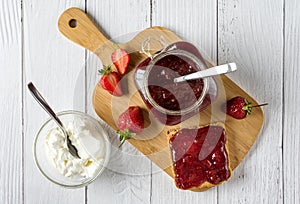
170 95
199 155
169 102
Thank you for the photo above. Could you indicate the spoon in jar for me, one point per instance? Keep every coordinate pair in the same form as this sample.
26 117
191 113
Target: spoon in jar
213 71
43 103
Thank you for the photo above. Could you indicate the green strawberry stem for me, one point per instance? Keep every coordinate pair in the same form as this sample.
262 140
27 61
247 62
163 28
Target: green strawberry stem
116 46
264 104
248 107
106 70
125 134
122 143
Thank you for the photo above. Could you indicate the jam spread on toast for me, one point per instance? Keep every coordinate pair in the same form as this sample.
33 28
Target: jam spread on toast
199 155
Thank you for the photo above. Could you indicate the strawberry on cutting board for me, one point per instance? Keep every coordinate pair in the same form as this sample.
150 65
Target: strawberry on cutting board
110 81
239 107
120 58
130 123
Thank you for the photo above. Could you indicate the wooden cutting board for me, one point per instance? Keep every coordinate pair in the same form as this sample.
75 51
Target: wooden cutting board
241 134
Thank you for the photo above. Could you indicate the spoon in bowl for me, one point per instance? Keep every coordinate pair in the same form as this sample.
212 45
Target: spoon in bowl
43 103
213 71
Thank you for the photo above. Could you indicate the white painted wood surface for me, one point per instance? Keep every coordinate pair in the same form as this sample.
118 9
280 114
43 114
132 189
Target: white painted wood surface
261 36
251 34
291 72
52 64
11 150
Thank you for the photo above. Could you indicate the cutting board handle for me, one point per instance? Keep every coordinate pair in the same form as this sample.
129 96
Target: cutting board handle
79 28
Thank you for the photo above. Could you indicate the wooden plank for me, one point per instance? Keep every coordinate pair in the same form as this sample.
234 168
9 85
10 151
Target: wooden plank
251 36
128 176
11 102
55 66
291 141
194 21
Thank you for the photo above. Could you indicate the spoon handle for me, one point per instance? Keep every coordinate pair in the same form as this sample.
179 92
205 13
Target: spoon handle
40 99
213 71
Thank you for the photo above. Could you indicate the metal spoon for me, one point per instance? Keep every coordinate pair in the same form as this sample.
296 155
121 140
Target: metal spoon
43 103
213 71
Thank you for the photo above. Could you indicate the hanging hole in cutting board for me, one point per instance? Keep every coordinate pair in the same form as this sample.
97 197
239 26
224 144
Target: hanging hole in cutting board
73 23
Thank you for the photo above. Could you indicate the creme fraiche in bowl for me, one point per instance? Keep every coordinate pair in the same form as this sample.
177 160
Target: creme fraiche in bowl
53 158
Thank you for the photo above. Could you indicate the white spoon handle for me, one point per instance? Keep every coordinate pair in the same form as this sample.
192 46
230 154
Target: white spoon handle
213 71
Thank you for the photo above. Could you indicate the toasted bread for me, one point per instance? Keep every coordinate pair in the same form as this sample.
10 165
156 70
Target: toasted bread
205 184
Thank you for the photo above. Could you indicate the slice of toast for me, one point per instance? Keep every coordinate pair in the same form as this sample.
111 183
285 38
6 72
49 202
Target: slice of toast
200 157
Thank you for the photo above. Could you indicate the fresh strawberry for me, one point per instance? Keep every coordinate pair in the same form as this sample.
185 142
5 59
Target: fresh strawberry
132 119
120 58
239 107
110 81
130 122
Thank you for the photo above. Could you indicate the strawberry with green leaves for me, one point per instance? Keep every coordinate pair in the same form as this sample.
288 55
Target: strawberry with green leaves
110 81
239 107
120 59
130 123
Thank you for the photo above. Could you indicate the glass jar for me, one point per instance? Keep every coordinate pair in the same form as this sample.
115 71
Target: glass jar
172 103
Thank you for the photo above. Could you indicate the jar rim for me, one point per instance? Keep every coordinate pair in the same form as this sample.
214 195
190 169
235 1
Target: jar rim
188 55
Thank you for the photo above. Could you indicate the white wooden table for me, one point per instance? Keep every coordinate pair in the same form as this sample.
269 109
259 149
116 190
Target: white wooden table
262 36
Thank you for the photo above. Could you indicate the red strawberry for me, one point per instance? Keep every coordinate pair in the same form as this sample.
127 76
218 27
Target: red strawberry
239 107
132 119
120 58
110 81
130 122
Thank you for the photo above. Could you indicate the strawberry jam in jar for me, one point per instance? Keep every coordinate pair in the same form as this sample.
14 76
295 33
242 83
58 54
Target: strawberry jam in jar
170 102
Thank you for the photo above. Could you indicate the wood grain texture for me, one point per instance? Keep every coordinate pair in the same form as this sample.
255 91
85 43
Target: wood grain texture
196 22
250 33
291 141
153 141
10 102
53 65
128 176
83 31
155 145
